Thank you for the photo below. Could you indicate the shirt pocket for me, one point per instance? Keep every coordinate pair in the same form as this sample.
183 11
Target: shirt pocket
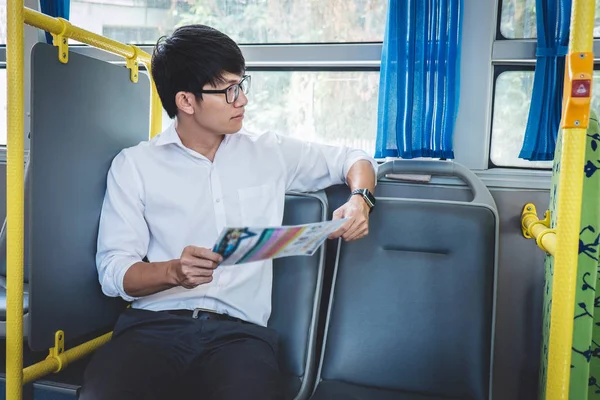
258 205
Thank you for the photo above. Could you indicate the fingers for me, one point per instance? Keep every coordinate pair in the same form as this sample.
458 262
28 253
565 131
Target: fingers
338 214
357 226
192 282
358 231
192 275
203 253
196 266
199 257
343 229
195 262
196 272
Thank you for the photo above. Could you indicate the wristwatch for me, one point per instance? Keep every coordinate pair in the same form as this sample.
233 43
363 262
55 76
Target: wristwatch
367 197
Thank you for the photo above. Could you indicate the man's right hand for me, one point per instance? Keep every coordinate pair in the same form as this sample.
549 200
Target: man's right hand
194 267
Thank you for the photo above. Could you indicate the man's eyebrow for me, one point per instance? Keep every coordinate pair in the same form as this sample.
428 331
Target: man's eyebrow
228 82
232 81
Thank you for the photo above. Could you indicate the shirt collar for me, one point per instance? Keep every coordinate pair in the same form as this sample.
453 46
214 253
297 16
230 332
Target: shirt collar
170 136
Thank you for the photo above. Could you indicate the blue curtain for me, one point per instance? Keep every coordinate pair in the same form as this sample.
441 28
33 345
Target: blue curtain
419 80
55 8
553 22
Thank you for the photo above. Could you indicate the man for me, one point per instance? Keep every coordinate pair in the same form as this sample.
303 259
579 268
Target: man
198 330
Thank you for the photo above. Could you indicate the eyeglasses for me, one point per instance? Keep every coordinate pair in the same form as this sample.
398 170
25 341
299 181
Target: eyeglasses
233 92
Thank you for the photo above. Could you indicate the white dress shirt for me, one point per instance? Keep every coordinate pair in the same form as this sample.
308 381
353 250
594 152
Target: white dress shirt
162 197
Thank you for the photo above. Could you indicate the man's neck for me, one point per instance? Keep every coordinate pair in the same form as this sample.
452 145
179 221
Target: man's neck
194 138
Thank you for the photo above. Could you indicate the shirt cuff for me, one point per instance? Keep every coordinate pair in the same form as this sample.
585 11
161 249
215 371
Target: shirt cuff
114 286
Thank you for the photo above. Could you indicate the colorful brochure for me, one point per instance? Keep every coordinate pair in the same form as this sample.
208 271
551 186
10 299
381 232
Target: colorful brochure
244 245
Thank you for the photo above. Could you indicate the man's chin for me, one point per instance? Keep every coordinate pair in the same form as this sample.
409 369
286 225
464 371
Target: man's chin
234 129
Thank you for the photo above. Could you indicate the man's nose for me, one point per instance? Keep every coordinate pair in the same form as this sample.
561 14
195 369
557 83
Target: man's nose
242 100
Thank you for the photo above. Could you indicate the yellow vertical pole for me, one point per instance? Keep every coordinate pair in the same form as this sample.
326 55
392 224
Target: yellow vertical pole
578 77
14 200
155 105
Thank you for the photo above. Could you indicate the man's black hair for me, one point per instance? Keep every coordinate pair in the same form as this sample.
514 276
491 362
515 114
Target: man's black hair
191 57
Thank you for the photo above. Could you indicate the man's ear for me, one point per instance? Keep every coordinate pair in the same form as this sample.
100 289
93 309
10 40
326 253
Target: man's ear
185 102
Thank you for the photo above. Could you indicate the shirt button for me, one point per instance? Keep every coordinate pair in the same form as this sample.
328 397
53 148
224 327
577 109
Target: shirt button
218 200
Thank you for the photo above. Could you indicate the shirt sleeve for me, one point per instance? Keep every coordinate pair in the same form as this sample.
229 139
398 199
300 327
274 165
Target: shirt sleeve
123 234
311 166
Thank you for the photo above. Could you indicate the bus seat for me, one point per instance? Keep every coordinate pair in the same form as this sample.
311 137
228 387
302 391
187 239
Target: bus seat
83 113
297 283
412 304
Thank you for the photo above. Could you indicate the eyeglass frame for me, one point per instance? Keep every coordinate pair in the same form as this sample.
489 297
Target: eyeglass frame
224 91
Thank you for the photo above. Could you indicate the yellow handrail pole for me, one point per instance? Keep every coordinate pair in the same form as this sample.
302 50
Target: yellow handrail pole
14 200
55 25
17 15
538 229
575 121
155 107
58 26
50 364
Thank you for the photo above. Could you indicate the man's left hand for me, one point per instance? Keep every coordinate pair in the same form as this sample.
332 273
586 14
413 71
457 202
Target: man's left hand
357 226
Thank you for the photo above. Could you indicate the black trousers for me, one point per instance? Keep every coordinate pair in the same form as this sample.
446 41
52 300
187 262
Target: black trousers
158 355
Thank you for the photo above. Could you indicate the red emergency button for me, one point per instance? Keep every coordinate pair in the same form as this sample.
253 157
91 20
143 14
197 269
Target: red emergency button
581 88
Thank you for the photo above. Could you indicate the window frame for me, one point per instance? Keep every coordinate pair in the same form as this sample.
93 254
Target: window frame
472 136
516 55
499 70
347 56
499 35
475 84
477 72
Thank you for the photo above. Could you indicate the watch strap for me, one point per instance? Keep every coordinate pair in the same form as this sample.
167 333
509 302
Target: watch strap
366 195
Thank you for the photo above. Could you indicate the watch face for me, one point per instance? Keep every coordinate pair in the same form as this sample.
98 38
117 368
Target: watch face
368 197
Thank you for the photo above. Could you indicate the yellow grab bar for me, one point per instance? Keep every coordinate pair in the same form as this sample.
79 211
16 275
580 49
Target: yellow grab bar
55 26
538 229
14 199
568 209
62 27
17 15
51 364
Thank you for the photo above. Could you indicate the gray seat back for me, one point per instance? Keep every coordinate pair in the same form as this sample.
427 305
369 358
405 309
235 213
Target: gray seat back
297 283
83 113
412 304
